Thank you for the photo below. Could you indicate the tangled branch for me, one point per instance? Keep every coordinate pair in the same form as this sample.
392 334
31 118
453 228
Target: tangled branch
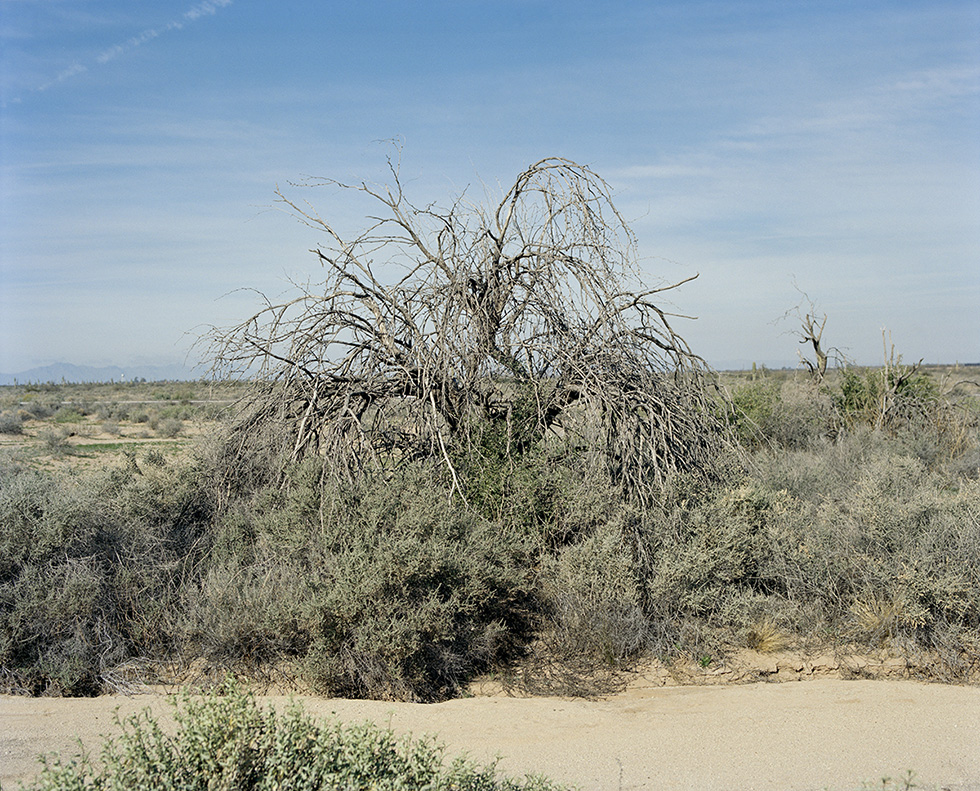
435 323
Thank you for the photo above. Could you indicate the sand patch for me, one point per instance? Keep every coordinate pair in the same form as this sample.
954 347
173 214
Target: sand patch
820 734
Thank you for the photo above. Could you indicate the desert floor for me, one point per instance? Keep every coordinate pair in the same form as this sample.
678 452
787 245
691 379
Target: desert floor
816 734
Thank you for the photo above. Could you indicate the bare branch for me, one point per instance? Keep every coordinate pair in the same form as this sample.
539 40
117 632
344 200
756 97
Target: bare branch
434 321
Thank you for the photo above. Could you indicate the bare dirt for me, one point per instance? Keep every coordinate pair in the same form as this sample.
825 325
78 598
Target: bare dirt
819 733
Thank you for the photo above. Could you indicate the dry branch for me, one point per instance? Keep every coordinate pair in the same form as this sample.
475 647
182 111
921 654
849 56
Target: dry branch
434 321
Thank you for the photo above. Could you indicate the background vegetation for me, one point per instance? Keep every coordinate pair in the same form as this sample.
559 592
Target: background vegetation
839 521
477 445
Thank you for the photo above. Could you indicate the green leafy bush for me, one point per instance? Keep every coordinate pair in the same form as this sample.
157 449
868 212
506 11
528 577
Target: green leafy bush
894 396
227 742
754 408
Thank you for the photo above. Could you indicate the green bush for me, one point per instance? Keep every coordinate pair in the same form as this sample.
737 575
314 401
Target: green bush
182 411
228 742
892 397
383 589
775 412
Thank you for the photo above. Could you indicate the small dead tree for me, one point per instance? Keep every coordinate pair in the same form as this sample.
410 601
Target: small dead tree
436 325
811 334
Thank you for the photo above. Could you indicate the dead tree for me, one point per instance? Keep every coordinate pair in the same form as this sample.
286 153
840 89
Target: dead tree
435 325
811 334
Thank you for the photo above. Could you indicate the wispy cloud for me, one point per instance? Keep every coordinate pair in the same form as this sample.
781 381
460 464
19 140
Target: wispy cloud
205 9
71 71
195 12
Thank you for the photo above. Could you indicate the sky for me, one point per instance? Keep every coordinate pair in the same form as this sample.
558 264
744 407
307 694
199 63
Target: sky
773 148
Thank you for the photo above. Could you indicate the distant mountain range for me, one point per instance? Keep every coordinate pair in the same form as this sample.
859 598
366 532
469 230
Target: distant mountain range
66 372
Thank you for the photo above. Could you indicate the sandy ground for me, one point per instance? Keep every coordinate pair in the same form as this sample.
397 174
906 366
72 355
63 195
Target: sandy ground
816 734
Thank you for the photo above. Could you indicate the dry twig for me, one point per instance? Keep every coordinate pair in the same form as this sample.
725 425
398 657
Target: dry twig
435 322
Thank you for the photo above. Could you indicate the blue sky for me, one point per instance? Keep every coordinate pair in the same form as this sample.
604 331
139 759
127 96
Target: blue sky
834 145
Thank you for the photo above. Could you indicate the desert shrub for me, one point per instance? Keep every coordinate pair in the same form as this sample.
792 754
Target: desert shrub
226 741
485 346
780 412
169 427
702 551
503 465
40 408
853 541
384 589
11 423
405 582
55 442
182 411
753 406
807 415
419 595
89 566
894 396
175 392
529 490
120 412
875 540
592 599
68 415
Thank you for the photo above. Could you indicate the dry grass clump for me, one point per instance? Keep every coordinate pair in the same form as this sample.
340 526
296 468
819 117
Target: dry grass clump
766 636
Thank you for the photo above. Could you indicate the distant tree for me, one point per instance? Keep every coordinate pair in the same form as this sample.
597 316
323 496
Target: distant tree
811 334
436 328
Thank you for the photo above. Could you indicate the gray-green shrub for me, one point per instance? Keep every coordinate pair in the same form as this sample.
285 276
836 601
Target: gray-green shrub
227 742
383 589
11 423
89 567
